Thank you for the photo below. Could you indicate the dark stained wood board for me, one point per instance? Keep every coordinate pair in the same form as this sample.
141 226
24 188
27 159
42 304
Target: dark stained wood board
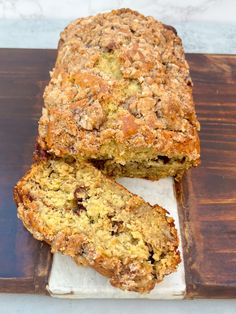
207 194
24 262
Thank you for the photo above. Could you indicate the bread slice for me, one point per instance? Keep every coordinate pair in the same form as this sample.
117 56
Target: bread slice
120 96
83 214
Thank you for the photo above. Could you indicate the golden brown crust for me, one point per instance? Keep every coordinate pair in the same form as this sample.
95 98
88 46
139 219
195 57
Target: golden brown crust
32 194
120 90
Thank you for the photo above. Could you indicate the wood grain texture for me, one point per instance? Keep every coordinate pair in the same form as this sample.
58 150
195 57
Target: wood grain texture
24 262
207 194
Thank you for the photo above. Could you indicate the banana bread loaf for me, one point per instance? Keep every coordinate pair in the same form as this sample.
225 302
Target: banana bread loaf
120 96
83 214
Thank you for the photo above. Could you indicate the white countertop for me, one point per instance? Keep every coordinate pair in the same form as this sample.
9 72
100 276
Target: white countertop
204 25
28 304
204 37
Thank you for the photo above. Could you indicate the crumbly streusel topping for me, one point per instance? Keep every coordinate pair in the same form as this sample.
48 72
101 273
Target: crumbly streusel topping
120 76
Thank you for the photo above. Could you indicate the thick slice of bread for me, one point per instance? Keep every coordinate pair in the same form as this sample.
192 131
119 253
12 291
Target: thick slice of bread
83 214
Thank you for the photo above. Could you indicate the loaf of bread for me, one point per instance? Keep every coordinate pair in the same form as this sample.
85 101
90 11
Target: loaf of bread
120 96
81 213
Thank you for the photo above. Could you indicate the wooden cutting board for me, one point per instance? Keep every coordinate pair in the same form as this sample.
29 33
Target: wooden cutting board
206 196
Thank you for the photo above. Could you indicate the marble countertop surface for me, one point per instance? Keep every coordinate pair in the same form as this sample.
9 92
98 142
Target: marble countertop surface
27 304
207 26
207 37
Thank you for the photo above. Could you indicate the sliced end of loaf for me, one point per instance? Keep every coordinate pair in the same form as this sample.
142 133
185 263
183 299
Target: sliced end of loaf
83 214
